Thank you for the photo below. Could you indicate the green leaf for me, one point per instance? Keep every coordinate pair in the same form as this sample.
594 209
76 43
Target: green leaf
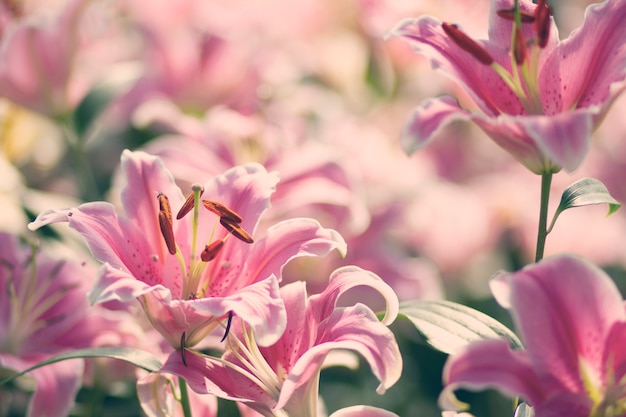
91 107
449 327
139 358
585 192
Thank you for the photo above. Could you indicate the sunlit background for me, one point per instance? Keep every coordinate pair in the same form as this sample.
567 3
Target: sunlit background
310 89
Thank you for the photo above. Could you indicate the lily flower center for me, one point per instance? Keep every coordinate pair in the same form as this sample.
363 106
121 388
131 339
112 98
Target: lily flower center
522 79
609 399
193 285
253 365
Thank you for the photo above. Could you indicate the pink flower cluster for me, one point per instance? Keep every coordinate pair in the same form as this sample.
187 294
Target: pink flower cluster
239 214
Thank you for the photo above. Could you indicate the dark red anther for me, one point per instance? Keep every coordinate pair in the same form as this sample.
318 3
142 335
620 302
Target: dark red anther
228 323
210 251
519 49
509 14
467 44
542 22
222 211
236 230
165 223
186 208
182 348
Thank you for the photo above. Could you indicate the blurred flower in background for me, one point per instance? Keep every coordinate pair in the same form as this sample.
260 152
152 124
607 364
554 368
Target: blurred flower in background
311 91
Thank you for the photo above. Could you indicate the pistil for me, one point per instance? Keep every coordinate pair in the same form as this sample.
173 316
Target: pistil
193 287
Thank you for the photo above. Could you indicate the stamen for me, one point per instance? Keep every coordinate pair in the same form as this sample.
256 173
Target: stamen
165 223
186 208
509 14
210 251
189 203
467 44
228 323
542 22
236 230
519 51
222 211
182 348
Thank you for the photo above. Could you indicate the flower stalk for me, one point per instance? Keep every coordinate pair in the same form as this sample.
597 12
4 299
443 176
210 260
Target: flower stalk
184 397
542 232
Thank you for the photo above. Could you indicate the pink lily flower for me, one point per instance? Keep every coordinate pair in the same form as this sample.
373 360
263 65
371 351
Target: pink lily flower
185 291
44 312
538 98
37 60
572 320
281 379
318 184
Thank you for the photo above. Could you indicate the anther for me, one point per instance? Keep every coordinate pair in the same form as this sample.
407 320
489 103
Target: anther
509 14
467 44
236 230
186 208
542 22
228 323
519 50
165 223
210 251
189 203
182 348
222 211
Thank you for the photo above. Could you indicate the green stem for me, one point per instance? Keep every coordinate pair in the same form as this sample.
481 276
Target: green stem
542 233
184 397
88 187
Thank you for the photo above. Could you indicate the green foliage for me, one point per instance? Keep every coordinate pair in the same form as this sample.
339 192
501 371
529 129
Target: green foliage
585 192
139 358
449 327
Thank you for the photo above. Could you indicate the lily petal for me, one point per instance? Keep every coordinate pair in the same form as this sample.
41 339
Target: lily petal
208 375
595 58
562 139
109 238
292 239
115 284
341 280
146 176
490 364
426 37
428 120
352 328
154 392
267 318
245 189
363 411
564 308
56 385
